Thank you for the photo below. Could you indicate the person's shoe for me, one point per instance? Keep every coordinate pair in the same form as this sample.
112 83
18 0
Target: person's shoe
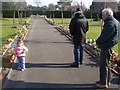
22 69
81 63
102 86
108 84
98 84
78 65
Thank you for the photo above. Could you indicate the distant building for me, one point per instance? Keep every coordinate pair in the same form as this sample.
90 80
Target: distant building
98 6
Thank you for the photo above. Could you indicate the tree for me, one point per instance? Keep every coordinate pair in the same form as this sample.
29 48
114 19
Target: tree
0 9
119 6
63 4
51 8
20 7
8 5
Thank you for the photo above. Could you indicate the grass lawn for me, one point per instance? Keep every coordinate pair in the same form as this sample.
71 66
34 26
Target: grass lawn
7 30
94 28
9 21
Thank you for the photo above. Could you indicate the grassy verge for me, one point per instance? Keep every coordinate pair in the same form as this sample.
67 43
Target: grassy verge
7 30
94 28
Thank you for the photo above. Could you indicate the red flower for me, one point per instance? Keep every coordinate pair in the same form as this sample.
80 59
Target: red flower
114 54
116 59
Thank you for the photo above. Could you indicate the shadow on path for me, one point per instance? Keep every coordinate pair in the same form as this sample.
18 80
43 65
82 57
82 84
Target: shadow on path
92 62
46 42
53 86
45 65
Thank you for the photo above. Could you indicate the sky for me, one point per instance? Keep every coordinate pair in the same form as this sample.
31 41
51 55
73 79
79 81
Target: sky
87 3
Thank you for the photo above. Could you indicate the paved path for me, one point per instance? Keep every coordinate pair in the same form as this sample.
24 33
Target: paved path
48 60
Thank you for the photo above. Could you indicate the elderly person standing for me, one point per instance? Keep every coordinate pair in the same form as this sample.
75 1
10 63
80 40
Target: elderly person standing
106 41
78 28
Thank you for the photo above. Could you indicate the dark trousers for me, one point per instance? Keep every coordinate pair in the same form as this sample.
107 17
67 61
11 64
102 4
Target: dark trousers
105 72
79 54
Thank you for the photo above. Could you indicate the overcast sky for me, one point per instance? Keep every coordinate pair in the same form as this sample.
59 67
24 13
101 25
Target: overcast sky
87 3
46 2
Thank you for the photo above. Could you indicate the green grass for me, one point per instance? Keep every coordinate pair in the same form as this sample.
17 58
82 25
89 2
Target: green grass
94 28
66 22
7 30
9 21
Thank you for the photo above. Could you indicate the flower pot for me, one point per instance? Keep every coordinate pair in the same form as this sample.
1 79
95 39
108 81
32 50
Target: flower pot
10 57
7 65
116 68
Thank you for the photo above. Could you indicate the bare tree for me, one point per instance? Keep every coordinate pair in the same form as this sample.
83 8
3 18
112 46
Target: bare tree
119 6
63 4
20 7
51 8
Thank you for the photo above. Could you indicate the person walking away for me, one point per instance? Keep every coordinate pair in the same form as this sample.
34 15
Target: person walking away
106 41
20 52
78 28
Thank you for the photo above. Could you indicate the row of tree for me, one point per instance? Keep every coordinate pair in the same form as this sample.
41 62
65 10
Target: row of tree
20 9
15 6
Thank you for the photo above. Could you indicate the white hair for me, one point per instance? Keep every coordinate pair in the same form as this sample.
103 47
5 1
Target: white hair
107 11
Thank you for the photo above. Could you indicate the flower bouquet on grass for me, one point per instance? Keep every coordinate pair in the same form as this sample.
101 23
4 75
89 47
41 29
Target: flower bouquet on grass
4 48
115 58
22 32
8 59
115 62
9 40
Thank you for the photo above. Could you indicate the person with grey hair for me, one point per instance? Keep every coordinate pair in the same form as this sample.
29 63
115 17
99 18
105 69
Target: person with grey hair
106 41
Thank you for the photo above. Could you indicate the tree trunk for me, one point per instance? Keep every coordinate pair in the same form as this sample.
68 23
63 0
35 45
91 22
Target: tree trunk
14 18
62 17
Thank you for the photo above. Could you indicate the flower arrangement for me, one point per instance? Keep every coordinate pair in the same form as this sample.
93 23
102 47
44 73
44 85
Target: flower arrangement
9 40
115 58
9 59
27 22
92 43
10 55
21 32
4 48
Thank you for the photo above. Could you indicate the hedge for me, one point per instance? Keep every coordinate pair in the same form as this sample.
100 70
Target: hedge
57 14
9 13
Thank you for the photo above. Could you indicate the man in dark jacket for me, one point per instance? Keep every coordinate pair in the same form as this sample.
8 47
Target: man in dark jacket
78 28
106 41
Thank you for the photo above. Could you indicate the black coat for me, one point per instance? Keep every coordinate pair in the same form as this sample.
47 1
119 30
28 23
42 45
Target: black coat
78 28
